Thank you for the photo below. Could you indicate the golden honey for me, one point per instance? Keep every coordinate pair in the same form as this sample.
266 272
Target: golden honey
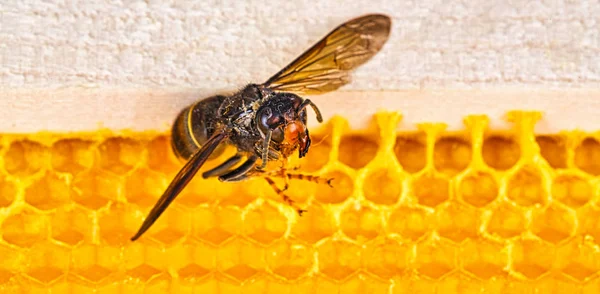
426 211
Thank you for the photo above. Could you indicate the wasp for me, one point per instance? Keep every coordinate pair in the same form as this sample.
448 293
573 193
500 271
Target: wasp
268 121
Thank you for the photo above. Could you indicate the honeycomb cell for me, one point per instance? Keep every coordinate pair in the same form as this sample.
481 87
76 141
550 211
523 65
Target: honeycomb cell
117 225
240 260
589 222
319 153
338 260
387 258
500 153
457 222
200 191
383 186
478 189
194 262
554 150
25 158
120 155
144 273
507 221
315 225
49 192
94 265
144 187
431 190
264 224
579 260
360 223
572 190
95 188
587 156
553 224
410 223
193 273
343 186
411 152
25 229
526 187
357 151
288 260
216 225
435 259
484 259
160 157
171 227
451 155
8 192
532 258
72 155
46 263
71 227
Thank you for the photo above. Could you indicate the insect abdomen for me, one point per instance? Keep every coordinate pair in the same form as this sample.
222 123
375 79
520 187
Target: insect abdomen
193 126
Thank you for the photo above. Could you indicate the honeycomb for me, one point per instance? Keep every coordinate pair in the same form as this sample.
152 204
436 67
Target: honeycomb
426 211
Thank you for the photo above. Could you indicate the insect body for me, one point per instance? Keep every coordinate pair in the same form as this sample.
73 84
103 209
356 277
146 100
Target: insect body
267 122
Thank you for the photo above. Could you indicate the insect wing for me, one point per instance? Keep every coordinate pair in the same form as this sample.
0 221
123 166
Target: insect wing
182 178
326 66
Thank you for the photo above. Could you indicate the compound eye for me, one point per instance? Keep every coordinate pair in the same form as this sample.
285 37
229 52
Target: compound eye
269 122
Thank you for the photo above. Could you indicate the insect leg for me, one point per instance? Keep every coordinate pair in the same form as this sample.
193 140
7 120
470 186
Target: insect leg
182 178
310 178
265 150
314 107
223 167
285 198
240 170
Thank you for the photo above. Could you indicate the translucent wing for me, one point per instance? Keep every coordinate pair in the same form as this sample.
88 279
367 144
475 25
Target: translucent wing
326 66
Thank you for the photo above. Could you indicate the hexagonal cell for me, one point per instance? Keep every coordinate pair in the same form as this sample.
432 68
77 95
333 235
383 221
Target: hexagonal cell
46 263
526 187
12 263
171 227
553 224
411 152
144 187
25 228
587 156
264 224
8 192
356 151
72 226
431 190
589 222
579 260
216 225
289 260
200 191
319 153
507 221
457 222
194 262
451 155
95 188
500 153
72 155
119 155
93 264
338 260
478 189
387 258
314 226
383 186
554 150
49 192
343 186
145 273
360 223
240 260
435 259
242 193
411 223
484 259
117 225
532 258
25 158
160 156
572 190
